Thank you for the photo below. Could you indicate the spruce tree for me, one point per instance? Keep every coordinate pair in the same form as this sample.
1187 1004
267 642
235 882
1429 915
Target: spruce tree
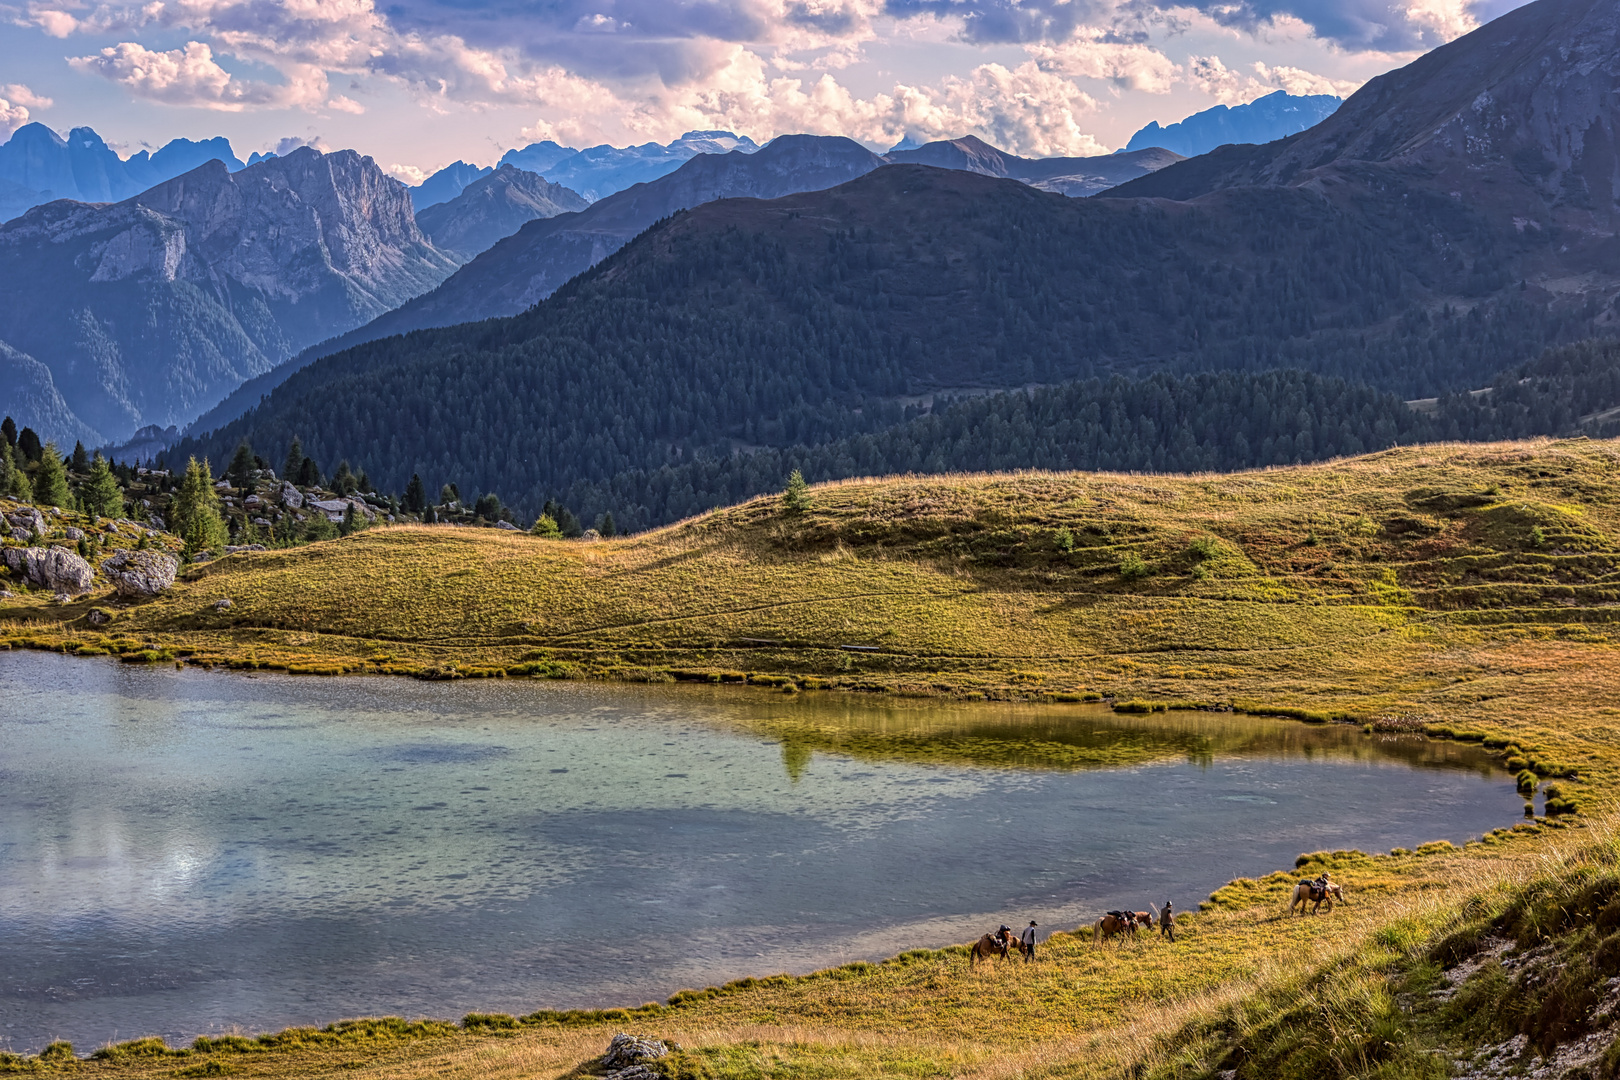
102 495
545 526
8 431
17 485
606 526
28 443
796 497
195 514
294 461
241 465
309 473
81 459
415 495
50 480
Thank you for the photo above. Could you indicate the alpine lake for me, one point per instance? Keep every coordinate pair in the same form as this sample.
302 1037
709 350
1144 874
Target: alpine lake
188 852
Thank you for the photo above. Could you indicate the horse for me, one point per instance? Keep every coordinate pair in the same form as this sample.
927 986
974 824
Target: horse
1111 925
1307 892
991 945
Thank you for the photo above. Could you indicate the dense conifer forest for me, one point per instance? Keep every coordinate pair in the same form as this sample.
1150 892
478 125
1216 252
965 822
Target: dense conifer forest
824 318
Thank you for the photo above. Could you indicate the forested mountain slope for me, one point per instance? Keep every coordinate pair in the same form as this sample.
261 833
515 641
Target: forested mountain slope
772 323
1516 121
528 266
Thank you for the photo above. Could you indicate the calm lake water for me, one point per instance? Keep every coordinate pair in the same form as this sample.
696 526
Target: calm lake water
184 852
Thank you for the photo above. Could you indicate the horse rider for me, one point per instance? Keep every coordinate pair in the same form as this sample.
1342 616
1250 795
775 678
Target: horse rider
1167 923
1004 935
1027 939
1319 887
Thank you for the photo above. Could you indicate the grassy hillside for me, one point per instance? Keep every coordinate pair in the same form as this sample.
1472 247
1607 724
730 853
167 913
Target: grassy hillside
1468 589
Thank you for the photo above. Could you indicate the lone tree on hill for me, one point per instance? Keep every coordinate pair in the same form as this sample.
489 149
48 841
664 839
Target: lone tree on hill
196 516
102 495
415 495
796 497
81 459
545 526
50 482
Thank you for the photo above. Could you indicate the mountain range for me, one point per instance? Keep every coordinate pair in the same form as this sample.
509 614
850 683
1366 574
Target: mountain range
1267 119
492 208
1412 241
37 165
153 308
1076 176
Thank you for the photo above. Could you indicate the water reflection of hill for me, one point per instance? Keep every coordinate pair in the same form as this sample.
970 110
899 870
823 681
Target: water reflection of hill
1081 737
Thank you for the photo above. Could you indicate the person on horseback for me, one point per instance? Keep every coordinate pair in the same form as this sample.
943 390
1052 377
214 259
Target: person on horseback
1319 887
1004 935
1027 940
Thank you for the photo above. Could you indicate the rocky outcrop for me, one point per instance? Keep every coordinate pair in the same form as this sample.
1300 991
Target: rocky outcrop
153 309
56 569
28 520
290 497
140 574
627 1058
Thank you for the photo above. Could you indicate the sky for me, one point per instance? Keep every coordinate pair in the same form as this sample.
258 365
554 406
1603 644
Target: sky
417 84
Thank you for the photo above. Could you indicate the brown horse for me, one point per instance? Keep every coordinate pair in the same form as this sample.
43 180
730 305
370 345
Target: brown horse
990 945
1112 925
1308 893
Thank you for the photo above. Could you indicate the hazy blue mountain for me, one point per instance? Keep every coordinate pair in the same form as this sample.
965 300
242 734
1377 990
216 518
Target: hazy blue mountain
493 208
38 165
446 184
1275 116
152 309
31 399
1076 176
600 171
538 157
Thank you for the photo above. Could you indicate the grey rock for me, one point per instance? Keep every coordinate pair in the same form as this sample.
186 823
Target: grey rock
506 525
20 535
56 569
626 1052
138 574
157 521
28 520
634 1072
62 598
75 534
261 521
97 617
590 536
223 604
290 496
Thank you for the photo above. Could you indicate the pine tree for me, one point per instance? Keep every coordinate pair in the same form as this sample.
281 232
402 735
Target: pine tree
28 443
796 497
17 485
50 480
415 495
241 465
102 495
195 515
448 494
81 459
294 462
8 431
545 526
606 526
343 481
309 473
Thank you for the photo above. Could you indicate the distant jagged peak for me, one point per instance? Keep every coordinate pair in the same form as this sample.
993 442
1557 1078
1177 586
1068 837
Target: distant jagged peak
1274 116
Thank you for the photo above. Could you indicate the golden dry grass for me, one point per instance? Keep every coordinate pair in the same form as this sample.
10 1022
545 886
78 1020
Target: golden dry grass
1474 586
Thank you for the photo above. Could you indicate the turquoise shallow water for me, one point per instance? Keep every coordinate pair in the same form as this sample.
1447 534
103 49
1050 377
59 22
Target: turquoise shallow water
185 852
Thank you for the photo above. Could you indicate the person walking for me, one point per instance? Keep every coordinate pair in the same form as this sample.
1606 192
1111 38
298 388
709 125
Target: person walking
1167 923
1028 939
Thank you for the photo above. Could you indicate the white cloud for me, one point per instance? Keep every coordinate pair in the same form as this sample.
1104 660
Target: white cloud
1128 65
12 117
1229 87
18 94
407 174
190 76
345 104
